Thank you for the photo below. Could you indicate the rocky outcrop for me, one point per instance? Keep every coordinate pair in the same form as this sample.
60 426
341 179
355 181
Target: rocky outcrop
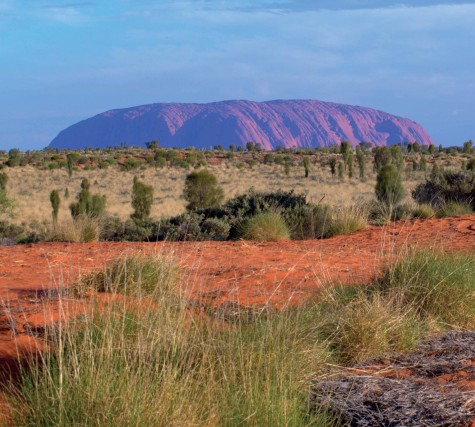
289 123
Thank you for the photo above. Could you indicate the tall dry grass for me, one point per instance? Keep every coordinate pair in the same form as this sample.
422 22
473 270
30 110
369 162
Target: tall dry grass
151 360
30 187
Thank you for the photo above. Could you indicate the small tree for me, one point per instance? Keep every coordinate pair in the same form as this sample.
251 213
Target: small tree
250 146
397 157
69 164
389 189
345 150
142 199
382 157
360 157
306 166
55 201
87 204
332 163
467 146
350 165
202 190
341 170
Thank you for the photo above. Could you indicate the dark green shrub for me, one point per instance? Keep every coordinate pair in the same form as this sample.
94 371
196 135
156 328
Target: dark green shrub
332 163
389 189
142 199
308 221
306 166
215 229
471 164
202 190
447 186
185 227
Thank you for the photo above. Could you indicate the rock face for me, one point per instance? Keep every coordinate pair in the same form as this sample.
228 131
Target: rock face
289 123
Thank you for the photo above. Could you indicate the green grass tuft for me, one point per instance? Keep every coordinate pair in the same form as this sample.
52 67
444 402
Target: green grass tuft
266 227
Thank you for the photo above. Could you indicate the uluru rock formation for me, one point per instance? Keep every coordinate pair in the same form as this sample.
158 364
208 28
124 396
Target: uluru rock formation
288 123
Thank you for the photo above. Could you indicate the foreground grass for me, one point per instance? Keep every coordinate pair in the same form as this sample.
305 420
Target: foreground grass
153 362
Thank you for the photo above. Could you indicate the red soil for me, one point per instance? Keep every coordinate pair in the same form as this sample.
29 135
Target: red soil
247 272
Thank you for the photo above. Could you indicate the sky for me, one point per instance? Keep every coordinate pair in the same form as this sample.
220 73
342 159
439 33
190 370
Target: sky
62 61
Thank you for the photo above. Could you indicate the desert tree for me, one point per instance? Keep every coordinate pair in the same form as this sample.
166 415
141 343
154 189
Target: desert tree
202 190
389 189
87 203
360 157
306 166
332 163
142 199
55 201
345 150
69 164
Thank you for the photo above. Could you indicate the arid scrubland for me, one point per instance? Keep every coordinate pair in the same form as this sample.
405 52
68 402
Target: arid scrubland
30 187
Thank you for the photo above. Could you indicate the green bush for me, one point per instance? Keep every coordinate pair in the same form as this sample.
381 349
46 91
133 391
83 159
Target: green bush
265 227
88 204
389 189
308 221
142 199
447 186
202 190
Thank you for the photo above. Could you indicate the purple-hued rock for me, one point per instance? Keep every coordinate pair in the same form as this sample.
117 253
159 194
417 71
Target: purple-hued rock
288 123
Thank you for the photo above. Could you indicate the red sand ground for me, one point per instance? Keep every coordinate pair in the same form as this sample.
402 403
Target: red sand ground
247 272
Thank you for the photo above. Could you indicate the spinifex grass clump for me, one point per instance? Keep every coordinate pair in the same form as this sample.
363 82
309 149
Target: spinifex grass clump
146 364
438 286
347 220
366 326
82 229
454 209
266 227
147 275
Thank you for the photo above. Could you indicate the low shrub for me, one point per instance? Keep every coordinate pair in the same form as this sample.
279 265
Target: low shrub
447 186
308 221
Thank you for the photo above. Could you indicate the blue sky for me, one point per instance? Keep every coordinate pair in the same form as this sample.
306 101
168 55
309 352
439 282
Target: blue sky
62 61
